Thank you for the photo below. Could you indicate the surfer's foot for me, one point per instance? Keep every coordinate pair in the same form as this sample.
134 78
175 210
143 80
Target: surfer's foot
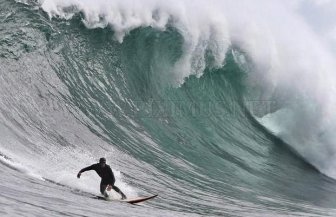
105 194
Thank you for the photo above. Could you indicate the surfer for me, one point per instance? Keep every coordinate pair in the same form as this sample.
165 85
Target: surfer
107 177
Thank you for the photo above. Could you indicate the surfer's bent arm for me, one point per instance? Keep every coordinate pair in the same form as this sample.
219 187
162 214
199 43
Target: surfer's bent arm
85 169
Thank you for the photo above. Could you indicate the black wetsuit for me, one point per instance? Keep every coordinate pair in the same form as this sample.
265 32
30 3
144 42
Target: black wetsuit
106 174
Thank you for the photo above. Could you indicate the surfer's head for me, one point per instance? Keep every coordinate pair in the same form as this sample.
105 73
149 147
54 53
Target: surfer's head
102 162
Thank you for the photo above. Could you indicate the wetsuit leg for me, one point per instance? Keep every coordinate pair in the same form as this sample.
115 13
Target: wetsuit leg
123 196
103 188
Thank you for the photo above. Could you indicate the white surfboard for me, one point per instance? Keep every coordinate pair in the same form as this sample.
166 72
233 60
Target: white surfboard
130 200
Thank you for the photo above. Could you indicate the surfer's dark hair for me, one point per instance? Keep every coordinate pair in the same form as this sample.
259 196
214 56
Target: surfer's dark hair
102 160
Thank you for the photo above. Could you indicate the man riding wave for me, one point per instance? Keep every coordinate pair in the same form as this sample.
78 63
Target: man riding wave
107 177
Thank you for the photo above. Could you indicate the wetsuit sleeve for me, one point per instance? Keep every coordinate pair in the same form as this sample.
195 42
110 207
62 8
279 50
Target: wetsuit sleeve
92 167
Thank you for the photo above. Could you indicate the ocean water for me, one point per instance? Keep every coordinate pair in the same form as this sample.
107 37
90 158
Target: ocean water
223 108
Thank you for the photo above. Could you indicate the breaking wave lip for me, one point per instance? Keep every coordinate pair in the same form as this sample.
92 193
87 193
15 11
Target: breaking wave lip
201 36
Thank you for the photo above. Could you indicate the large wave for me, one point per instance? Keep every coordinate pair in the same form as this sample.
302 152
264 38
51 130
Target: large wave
196 100
290 56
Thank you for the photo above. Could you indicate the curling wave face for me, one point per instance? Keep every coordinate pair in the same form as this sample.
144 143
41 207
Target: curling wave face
280 39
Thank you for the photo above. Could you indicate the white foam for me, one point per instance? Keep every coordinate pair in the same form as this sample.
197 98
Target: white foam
19 167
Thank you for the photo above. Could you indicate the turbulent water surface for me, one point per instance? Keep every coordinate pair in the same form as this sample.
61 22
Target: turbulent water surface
222 107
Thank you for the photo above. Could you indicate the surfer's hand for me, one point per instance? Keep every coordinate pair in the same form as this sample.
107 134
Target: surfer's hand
78 175
109 187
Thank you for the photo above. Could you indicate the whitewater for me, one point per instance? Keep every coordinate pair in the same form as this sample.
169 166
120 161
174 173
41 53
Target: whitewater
222 108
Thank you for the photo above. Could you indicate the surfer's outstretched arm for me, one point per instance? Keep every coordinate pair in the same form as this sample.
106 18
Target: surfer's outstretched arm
85 169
